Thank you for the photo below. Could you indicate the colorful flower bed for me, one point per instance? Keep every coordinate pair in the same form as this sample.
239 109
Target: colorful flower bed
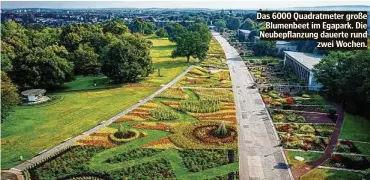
285 116
200 106
133 154
174 93
187 136
215 94
164 114
202 77
153 126
164 143
324 130
303 141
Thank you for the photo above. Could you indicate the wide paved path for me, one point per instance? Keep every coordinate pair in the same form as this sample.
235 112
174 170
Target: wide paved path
260 157
29 163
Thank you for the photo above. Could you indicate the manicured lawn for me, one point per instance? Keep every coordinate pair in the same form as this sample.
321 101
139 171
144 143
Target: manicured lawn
364 148
87 82
355 128
31 129
308 156
318 174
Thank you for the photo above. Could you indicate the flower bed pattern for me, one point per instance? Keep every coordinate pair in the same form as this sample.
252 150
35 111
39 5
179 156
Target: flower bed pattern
355 162
164 143
174 93
215 94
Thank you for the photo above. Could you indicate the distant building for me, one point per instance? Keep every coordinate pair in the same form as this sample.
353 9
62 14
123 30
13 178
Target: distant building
285 46
302 66
243 34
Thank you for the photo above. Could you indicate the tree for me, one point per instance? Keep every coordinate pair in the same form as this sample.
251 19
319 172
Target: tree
174 30
248 24
220 24
125 61
9 95
85 60
161 32
264 48
115 27
141 26
191 44
42 68
203 30
346 77
252 34
233 23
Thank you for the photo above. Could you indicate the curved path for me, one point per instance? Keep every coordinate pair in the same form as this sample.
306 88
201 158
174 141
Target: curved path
51 152
260 156
302 170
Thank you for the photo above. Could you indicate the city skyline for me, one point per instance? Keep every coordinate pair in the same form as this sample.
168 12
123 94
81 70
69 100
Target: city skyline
174 4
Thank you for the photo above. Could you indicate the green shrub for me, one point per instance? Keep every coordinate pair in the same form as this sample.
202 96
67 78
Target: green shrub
221 131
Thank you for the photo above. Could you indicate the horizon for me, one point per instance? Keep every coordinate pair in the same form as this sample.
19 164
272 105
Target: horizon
212 5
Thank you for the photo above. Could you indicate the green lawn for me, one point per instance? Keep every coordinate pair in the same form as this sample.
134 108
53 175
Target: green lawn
31 129
355 128
364 148
308 156
87 82
321 174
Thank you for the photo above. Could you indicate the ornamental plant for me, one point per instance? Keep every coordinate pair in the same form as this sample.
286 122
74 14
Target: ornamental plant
221 130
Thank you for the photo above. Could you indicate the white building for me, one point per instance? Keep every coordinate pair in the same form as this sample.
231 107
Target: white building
244 34
34 95
302 65
285 46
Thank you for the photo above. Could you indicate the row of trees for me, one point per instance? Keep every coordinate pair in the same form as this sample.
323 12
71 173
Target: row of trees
346 76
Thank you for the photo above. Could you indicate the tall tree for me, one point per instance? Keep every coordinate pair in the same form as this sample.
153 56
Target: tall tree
161 32
220 24
116 27
85 60
203 30
9 95
142 26
191 44
233 23
127 59
42 68
264 48
248 24
174 30
346 76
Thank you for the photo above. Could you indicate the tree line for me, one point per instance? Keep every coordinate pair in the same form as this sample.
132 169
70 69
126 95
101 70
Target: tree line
44 57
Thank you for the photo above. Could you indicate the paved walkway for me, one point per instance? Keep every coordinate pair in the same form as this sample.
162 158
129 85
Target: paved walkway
260 156
302 170
51 152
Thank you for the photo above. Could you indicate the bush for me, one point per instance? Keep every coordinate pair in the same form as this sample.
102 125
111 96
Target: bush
133 154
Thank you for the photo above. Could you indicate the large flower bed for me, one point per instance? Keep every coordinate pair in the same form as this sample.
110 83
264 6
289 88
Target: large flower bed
324 130
224 95
302 141
174 93
197 135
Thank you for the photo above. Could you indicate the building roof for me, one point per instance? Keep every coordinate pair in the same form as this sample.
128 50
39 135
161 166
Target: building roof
282 42
308 60
245 31
33 92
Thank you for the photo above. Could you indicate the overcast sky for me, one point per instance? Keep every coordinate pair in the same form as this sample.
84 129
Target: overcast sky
180 4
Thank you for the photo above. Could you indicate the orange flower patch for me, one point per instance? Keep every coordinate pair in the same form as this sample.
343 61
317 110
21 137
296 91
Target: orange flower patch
164 143
156 126
97 143
173 104
99 139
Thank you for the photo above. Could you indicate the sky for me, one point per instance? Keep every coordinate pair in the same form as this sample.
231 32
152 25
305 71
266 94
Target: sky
253 4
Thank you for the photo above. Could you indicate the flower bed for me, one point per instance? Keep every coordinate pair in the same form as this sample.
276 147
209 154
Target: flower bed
355 162
346 147
154 126
215 94
124 137
164 143
201 106
225 115
184 137
164 114
315 117
309 108
174 93
324 130
301 141
285 116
